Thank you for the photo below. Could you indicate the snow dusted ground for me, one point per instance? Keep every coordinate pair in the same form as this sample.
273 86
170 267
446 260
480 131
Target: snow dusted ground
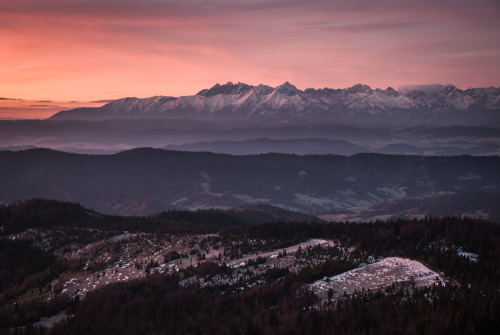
51 321
379 275
473 257
136 250
274 254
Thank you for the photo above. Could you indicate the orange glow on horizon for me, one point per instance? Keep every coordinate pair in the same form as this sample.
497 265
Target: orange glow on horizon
12 109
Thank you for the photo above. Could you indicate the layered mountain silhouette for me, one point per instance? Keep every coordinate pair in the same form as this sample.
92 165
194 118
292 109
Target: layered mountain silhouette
145 181
243 119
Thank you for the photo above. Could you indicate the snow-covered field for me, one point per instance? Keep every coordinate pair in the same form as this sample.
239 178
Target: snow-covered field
379 275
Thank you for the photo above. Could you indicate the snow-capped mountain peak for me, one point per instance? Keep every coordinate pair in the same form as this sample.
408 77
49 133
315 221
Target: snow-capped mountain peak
359 88
228 88
417 104
287 89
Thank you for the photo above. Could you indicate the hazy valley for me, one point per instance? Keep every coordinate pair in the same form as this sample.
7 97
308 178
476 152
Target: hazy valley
243 119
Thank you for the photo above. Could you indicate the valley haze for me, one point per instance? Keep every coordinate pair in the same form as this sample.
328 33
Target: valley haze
245 119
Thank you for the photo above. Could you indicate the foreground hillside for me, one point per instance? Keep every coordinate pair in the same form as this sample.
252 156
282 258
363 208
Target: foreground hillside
360 187
65 269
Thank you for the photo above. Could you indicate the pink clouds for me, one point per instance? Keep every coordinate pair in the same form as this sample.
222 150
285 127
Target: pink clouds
88 50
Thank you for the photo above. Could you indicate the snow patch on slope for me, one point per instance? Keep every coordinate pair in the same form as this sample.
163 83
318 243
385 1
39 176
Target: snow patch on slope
379 275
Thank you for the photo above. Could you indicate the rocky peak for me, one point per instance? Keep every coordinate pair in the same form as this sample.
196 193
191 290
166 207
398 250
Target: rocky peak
228 88
287 89
359 88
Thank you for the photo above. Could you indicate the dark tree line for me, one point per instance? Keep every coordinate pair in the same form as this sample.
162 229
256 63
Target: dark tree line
23 267
49 214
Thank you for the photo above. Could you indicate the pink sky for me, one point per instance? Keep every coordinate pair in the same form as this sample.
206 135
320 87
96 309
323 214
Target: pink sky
92 50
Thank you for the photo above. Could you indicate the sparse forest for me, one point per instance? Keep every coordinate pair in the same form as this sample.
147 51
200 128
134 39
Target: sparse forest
161 304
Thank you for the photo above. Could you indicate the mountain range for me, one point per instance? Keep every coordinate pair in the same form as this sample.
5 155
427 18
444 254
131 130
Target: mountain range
243 119
359 104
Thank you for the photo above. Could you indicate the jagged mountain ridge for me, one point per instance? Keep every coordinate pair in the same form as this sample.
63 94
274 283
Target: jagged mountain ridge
432 104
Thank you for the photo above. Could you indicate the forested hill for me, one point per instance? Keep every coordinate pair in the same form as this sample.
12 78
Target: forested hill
51 214
464 250
145 181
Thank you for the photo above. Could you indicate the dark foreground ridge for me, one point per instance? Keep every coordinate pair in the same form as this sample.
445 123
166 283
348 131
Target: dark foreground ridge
50 214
